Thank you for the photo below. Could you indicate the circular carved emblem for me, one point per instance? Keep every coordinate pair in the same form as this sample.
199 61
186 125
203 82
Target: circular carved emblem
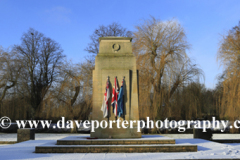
116 47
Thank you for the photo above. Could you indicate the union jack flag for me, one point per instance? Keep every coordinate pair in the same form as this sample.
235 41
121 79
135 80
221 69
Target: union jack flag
115 97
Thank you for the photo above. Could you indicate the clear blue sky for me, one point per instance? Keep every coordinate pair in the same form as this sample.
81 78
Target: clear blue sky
71 22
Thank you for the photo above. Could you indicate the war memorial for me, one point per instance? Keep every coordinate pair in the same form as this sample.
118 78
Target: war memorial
115 60
115 66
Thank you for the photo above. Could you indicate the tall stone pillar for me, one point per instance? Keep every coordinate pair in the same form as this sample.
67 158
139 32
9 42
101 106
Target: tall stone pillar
115 59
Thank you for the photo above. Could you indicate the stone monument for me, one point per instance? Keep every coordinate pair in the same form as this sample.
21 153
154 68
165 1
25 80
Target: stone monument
115 59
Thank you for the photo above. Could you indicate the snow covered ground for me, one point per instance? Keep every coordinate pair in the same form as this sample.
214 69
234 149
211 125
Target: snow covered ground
206 149
56 136
215 136
38 136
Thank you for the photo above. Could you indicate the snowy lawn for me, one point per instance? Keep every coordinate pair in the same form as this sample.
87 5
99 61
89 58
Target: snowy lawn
206 149
56 136
215 136
38 136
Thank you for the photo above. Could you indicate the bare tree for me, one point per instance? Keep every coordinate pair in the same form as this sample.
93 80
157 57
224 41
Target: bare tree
229 56
113 29
10 70
42 57
160 47
73 91
229 50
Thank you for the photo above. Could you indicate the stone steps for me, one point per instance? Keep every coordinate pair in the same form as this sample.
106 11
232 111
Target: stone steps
114 142
8 142
81 144
115 148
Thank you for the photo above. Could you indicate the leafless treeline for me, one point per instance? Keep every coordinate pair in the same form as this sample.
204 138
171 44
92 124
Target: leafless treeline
36 81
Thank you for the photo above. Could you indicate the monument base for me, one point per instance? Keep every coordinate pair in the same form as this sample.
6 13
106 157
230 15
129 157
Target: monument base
116 133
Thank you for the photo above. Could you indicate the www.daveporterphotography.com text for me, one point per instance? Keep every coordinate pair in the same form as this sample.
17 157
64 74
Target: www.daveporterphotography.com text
181 125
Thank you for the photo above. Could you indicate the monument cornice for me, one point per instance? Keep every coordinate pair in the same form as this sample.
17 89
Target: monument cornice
115 55
115 38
